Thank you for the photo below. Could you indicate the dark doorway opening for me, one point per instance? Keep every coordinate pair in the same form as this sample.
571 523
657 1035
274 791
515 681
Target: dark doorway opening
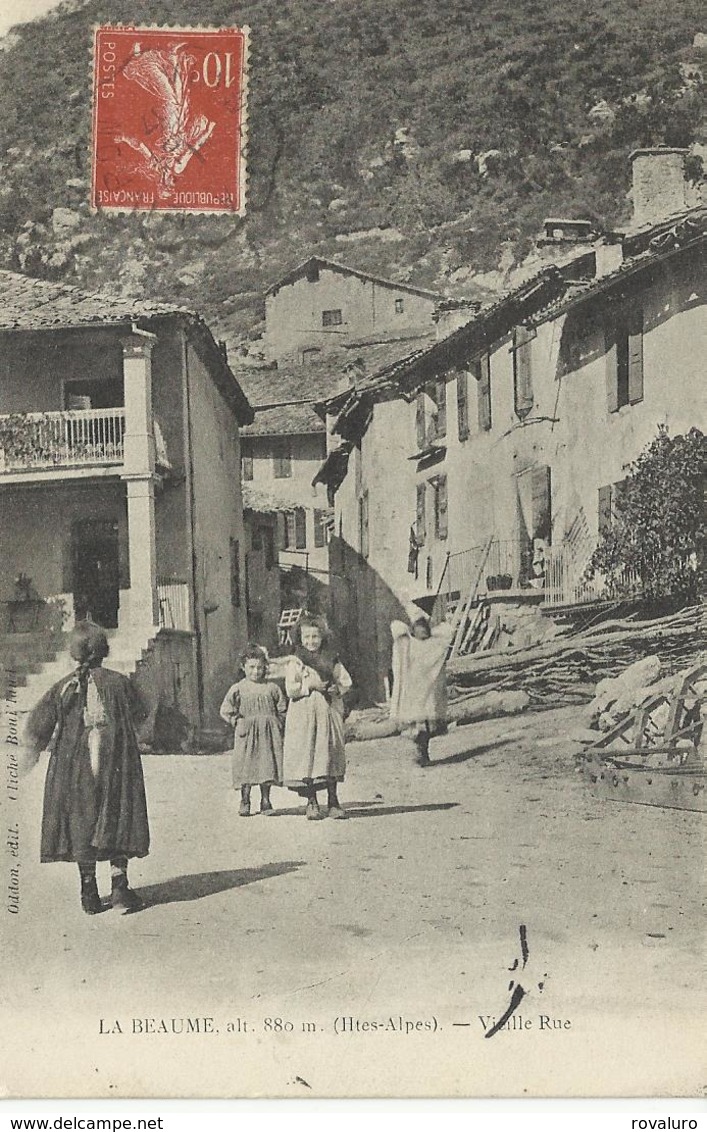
96 571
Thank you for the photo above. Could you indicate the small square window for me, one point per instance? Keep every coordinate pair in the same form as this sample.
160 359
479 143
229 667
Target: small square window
399 306
332 318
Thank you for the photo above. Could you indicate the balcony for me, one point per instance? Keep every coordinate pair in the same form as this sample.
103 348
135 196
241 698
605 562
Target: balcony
77 438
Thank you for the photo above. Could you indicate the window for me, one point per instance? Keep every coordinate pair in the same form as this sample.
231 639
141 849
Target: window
246 464
439 487
332 318
309 355
399 306
624 359
605 508
609 502
541 485
431 414
313 273
282 460
522 371
420 518
296 529
482 373
321 527
235 548
102 393
363 525
439 412
463 404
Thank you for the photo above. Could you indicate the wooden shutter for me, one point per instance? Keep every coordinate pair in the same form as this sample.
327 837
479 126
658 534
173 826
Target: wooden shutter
300 528
441 402
420 420
441 515
635 356
319 528
612 370
604 518
463 404
484 392
420 522
281 530
235 572
363 525
542 503
522 372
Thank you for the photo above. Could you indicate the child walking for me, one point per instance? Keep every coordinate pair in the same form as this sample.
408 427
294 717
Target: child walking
94 794
256 708
419 696
316 682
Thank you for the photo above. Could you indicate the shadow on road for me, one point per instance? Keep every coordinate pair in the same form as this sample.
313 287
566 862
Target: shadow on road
195 886
383 811
464 756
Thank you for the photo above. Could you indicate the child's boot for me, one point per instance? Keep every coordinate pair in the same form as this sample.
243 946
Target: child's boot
90 900
122 896
335 809
313 812
422 742
266 806
244 808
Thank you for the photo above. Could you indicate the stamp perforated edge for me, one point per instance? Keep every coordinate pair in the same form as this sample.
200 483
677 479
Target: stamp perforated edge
119 210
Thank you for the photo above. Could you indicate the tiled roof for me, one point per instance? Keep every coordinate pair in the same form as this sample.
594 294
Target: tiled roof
344 269
668 240
28 304
423 364
285 420
257 499
285 399
35 304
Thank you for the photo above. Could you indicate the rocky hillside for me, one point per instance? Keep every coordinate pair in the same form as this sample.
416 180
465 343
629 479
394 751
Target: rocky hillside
421 141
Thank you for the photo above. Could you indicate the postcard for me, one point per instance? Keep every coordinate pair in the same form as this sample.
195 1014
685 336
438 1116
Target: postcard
352 636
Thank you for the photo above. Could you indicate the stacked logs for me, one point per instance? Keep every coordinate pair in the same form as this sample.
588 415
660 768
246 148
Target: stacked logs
567 669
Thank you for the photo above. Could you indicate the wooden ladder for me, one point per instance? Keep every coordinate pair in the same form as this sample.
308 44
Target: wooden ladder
461 617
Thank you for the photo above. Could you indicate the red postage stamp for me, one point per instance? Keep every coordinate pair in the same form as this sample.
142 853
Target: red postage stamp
169 119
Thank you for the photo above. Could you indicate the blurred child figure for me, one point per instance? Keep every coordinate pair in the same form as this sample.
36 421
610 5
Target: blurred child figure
419 694
94 794
316 682
256 708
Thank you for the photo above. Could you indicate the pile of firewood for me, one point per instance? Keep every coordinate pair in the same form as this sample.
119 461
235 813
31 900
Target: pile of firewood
567 669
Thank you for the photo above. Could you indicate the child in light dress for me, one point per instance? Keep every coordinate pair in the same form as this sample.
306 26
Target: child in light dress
256 708
316 682
419 695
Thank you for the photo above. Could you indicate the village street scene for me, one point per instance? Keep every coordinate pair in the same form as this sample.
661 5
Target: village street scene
353 665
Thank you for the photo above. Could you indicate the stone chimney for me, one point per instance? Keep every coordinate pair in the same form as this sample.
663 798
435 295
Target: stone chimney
450 314
660 189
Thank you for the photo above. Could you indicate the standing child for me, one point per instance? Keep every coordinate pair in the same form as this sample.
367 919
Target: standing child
94 794
256 708
316 682
419 695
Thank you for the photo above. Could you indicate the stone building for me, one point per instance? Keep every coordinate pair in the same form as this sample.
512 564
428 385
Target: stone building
489 459
120 491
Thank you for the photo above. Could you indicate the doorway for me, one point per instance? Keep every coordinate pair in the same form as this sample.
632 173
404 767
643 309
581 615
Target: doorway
96 571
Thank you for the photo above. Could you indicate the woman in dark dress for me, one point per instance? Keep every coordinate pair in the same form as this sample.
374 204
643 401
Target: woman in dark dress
94 795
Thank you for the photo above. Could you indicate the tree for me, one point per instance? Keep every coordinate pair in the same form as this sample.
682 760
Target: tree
657 531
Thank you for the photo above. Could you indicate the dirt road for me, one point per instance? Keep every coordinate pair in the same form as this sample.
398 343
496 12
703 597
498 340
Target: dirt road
446 889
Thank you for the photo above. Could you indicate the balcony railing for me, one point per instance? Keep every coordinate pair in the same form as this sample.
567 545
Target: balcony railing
75 438
566 582
173 598
501 566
